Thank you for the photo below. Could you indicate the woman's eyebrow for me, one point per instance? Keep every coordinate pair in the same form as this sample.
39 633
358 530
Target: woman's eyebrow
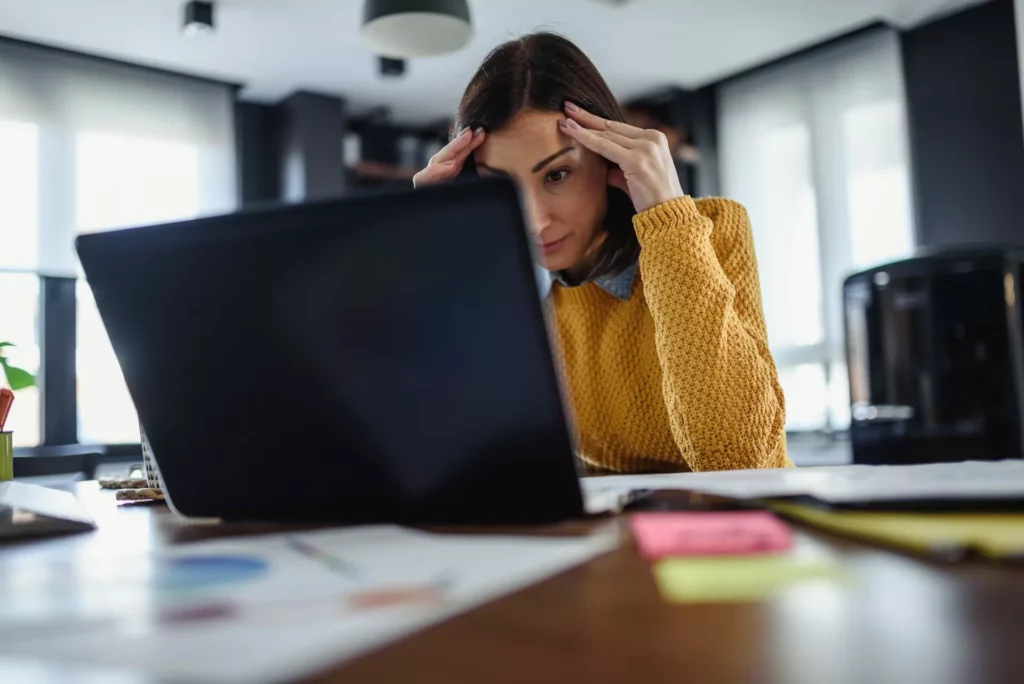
481 165
537 167
544 162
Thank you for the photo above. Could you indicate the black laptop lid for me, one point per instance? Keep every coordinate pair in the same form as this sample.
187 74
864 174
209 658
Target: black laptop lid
380 358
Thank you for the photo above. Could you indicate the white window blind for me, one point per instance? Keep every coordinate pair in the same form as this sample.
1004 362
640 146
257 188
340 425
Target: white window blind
89 145
816 148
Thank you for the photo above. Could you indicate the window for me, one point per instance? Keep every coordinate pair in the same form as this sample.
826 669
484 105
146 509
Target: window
106 414
19 177
124 181
88 145
787 237
121 181
19 294
877 183
19 289
816 148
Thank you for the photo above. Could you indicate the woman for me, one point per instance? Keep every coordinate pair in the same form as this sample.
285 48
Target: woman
655 295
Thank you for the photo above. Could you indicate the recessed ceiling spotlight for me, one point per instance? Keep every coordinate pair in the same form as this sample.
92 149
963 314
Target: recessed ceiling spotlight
392 68
198 19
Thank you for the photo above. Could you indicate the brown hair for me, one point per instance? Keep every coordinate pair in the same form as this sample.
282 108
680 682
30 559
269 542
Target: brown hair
542 71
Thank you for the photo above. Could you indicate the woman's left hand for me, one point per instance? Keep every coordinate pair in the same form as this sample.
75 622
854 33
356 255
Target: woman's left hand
645 170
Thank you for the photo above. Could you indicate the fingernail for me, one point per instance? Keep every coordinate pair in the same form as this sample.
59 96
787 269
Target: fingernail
478 131
563 123
462 131
571 124
571 107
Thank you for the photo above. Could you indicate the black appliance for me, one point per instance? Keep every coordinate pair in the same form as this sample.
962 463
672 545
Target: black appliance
936 358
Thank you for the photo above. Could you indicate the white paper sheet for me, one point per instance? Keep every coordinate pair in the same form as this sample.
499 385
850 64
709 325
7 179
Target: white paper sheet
256 609
43 501
841 484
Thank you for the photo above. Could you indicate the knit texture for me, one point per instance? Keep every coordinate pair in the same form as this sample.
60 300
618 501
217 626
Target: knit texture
678 377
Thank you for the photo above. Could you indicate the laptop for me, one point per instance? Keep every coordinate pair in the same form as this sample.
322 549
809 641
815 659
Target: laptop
379 358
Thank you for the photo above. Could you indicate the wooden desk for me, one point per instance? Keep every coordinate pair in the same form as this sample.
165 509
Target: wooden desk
898 619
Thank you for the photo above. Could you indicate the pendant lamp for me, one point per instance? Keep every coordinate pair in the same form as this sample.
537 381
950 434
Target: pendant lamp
415 28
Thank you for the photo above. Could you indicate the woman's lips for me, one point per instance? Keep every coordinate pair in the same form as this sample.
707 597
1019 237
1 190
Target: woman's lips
553 246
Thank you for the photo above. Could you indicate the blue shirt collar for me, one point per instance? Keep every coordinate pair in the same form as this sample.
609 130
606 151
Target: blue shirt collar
619 285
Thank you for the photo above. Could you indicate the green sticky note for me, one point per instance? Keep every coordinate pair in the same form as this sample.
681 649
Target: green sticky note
736 578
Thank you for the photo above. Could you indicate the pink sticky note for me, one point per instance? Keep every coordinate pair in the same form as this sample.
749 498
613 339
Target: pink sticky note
708 534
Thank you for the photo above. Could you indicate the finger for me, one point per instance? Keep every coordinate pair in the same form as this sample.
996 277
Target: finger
617 179
465 147
619 139
454 147
463 154
436 173
594 122
592 141
479 135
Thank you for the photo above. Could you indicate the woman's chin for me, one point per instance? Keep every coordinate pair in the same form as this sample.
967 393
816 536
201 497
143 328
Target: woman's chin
555 262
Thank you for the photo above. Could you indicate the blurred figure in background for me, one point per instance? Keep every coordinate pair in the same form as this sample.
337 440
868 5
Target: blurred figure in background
655 295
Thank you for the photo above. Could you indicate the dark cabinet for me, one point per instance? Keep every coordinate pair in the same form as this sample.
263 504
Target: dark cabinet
934 351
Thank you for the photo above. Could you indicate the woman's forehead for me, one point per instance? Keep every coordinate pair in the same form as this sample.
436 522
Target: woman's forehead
529 138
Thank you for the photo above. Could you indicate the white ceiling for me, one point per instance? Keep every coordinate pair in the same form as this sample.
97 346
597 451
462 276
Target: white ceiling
276 46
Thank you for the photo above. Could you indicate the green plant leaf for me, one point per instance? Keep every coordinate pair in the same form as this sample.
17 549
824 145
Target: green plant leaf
6 344
17 378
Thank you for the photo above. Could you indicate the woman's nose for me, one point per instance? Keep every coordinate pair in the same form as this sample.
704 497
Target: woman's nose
536 214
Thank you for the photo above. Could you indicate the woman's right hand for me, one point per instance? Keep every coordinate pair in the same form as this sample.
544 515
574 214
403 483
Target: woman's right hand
446 164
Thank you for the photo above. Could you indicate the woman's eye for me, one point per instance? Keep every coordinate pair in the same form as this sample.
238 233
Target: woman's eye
556 176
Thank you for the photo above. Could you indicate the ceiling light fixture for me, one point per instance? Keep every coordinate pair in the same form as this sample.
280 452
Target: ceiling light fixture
391 68
416 28
198 18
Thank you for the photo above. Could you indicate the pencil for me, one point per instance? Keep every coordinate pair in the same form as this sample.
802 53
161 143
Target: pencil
6 399
332 562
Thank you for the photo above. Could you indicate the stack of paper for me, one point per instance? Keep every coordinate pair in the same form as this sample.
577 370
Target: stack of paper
268 608
969 480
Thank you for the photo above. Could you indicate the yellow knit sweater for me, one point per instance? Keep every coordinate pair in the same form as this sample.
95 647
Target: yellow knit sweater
679 376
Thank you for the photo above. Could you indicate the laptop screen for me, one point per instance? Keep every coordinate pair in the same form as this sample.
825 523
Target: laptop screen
386 350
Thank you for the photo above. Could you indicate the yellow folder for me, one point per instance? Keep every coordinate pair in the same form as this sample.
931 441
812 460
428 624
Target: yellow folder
950 535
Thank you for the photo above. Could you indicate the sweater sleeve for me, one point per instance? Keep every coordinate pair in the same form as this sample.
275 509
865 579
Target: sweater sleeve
725 404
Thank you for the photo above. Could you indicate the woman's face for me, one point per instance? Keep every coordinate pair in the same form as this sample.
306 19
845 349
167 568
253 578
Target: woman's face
563 184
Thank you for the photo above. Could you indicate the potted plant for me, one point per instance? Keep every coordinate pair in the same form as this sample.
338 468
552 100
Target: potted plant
17 378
